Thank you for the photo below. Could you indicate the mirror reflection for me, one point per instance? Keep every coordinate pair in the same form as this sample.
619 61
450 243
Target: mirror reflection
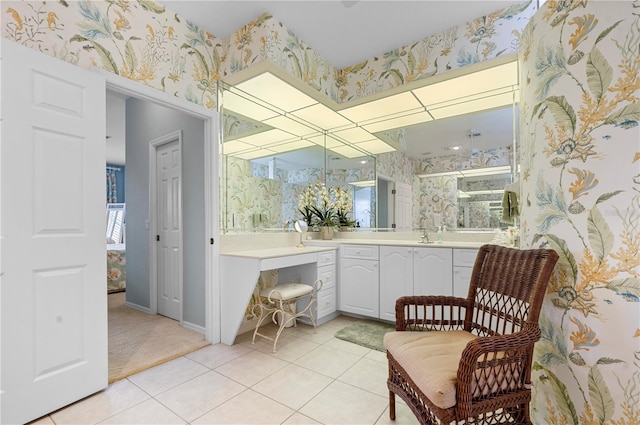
426 175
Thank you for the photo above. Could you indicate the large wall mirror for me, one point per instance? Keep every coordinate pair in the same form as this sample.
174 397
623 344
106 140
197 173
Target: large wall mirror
277 139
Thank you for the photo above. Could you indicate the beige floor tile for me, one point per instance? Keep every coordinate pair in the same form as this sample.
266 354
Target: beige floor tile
148 412
369 375
379 356
251 368
320 336
404 416
341 403
167 375
293 350
293 386
249 407
116 398
216 355
196 397
349 347
300 419
328 361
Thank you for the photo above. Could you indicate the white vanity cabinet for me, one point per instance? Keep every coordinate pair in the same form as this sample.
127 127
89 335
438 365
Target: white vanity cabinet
359 277
326 297
408 270
463 261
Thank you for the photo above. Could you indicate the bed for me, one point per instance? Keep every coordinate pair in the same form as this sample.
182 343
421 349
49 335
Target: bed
116 268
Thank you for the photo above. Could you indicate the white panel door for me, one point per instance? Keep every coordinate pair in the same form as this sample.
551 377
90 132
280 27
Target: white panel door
169 216
53 265
403 206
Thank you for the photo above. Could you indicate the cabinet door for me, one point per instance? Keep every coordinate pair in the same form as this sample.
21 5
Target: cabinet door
358 289
396 278
461 279
432 271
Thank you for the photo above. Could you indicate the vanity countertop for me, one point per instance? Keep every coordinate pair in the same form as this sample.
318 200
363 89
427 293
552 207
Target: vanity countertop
285 251
396 242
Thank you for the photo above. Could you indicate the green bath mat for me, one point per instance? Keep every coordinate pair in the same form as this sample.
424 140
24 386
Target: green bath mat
367 333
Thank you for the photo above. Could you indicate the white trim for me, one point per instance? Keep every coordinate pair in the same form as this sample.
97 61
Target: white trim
137 307
127 87
153 219
194 327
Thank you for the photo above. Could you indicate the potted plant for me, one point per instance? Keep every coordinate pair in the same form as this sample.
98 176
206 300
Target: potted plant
306 200
324 210
343 205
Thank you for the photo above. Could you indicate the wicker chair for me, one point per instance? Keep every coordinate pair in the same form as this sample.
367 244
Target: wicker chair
469 359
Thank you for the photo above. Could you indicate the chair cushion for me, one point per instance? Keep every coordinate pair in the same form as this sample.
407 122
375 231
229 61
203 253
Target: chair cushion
431 359
287 291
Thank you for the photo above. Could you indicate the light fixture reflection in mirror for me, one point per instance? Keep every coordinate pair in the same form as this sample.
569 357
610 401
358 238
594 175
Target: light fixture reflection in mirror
301 227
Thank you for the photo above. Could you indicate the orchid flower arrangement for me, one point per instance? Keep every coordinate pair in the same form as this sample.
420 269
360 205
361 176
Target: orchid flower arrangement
317 205
343 204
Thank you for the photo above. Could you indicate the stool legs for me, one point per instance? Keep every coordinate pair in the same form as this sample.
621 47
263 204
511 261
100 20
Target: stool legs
280 310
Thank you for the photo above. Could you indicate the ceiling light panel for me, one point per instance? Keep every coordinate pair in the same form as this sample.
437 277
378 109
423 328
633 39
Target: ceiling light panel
379 108
291 146
473 106
287 124
322 116
399 122
258 153
268 137
354 135
248 108
478 82
376 146
274 91
235 146
347 151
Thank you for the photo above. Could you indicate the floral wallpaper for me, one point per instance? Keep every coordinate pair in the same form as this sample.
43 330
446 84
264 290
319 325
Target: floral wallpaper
144 41
580 108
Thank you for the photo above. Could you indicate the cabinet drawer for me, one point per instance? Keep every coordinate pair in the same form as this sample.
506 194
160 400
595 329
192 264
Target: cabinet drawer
326 302
326 258
328 276
363 252
464 257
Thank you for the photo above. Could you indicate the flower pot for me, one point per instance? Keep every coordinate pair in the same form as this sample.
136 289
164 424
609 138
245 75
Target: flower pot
326 232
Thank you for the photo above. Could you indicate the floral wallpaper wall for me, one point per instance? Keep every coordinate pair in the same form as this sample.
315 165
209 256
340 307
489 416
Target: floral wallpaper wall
580 108
144 41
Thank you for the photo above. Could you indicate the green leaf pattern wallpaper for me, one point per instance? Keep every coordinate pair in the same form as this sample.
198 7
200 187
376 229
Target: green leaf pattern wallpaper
580 108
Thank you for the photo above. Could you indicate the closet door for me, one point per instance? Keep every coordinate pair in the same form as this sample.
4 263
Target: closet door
53 256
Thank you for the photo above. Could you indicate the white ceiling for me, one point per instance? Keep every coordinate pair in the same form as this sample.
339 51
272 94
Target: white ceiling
343 32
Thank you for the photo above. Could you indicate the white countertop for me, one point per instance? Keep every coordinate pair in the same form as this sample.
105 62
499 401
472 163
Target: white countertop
278 252
396 242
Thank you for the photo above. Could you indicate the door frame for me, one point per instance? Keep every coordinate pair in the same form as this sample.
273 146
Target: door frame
153 219
390 206
130 88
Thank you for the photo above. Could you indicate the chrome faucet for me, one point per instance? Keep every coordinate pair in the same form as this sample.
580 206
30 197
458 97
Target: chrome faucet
424 238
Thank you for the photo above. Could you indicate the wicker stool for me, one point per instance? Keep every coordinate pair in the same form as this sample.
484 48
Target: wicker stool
280 302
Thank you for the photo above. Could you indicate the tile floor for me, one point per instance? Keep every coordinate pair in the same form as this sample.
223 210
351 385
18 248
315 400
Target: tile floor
314 378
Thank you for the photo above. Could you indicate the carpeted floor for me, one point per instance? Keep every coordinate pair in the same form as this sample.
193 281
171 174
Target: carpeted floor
138 341
367 333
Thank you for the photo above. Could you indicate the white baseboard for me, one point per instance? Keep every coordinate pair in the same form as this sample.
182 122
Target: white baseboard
137 307
193 327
